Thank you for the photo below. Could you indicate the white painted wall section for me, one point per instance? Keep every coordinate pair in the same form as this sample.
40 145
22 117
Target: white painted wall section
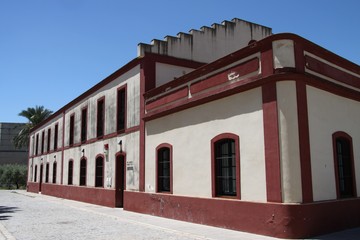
190 133
283 53
289 142
329 113
166 73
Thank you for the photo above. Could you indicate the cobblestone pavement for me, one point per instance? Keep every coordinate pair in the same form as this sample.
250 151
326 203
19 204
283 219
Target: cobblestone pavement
27 216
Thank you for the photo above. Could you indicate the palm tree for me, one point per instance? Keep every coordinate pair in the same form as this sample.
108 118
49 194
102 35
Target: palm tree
35 116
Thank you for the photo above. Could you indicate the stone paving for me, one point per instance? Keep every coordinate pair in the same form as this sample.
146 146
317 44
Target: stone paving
30 216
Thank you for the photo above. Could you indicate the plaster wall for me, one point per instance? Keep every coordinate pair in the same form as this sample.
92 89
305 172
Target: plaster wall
329 113
289 142
208 43
190 133
167 72
109 94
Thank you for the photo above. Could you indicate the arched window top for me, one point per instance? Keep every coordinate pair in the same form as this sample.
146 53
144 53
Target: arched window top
164 145
224 136
343 135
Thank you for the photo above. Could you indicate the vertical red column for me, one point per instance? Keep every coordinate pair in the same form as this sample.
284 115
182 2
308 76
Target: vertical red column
271 131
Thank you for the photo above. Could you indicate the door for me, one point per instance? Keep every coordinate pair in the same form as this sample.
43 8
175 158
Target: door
119 180
41 177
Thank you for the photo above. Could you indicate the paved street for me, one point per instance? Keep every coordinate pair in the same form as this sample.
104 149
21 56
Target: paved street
32 216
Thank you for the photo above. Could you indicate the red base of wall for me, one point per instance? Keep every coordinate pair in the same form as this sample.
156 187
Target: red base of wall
271 219
98 196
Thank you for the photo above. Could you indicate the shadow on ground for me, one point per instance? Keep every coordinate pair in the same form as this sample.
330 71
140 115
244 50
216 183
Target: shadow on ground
4 212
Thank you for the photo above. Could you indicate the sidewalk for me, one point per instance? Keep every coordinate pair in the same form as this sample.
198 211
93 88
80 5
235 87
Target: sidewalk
28 216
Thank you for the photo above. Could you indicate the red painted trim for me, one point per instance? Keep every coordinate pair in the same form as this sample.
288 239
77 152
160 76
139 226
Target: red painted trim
304 142
271 138
171 97
99 196
347 137
290 221
237 159
332 72
169 146
222 78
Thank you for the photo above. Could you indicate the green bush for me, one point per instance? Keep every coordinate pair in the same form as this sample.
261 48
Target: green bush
13 175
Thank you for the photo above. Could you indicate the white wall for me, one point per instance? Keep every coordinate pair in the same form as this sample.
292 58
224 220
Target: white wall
329 113
289 142
166 73
190 132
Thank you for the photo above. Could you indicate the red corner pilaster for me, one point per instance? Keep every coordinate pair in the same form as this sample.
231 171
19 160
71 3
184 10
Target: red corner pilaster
304 142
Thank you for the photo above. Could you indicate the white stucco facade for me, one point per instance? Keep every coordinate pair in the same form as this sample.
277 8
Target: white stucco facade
190 131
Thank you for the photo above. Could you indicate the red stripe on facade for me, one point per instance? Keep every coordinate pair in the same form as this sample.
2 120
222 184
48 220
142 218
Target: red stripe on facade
332 72
171 97
271 219
272 148
221 78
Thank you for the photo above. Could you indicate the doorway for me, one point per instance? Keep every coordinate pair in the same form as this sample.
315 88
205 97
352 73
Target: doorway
119 180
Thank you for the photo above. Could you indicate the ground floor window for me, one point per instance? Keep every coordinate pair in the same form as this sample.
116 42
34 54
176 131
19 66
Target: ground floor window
99 172
54 172
82 172
35 173
70 172
164 168
226 165
47 173
344 165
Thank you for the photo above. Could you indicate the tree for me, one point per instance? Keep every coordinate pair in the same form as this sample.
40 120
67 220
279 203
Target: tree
13 174
34 116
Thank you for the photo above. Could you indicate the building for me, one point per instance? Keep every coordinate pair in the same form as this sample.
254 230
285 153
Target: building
229 126
8 153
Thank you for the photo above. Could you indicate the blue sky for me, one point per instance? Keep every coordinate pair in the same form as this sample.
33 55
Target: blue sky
51 51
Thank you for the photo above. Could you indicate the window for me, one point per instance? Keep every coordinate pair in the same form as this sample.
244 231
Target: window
35 174
225 165
100 118
121 109
37 144
42 141
47 173
54 172
56 137
83 172
83 125
99 172
164 168
70 172
71 129
48 139
344 165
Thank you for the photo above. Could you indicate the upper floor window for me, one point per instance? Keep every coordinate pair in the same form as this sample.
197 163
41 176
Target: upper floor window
99 172
226 165
100 117
83 172
344 165
83 125
164 168
48 139
71 129
56 132
42 141
70 172
121 108
37 144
